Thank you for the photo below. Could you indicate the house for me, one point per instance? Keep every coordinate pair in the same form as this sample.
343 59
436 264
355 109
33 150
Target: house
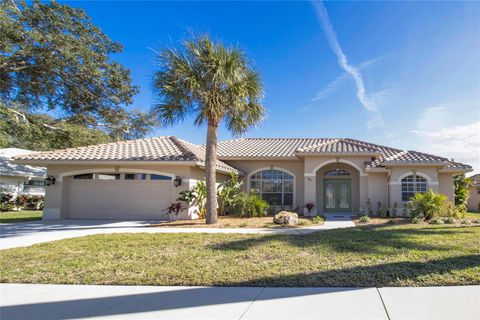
473 203
18 178
137 179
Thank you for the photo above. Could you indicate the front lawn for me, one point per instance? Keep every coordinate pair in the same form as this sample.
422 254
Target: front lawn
20 216
386 255
234 222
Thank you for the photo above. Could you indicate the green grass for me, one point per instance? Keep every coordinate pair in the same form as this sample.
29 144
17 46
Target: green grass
20 216
386 255
473 215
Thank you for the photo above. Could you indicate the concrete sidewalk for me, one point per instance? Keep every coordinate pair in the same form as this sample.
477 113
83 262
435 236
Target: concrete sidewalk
56 302
24 234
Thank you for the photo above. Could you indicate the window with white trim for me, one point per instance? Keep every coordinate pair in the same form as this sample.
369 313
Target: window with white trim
273 186
411 185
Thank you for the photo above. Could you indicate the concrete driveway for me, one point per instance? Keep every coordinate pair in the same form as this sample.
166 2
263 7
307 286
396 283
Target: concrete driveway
58 302
24 234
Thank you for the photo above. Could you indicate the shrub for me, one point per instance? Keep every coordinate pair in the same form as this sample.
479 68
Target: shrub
302 223
30 201
381 210
174 209
364 219
7 203
395 209
428 204
226 194
436 221
310 206
453 211
249 205
415 220
316 220
369 207
197 196
450 220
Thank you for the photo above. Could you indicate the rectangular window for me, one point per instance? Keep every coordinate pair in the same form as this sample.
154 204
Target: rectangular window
87 176
135 176
108 176
159 177
38 183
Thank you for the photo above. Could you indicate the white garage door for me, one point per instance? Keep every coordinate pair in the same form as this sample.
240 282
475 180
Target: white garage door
118 198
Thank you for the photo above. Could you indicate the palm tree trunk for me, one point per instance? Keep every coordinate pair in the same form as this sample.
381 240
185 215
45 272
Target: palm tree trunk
210 172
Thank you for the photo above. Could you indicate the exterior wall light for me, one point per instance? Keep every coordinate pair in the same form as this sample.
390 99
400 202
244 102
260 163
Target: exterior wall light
177 181
49 180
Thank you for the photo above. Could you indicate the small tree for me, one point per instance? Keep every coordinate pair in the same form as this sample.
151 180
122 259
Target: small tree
461 184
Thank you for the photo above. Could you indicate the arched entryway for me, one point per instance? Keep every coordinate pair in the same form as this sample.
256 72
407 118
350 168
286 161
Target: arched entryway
337 188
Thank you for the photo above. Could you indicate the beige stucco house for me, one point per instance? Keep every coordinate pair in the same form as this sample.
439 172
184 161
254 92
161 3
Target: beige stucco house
137 179
473 203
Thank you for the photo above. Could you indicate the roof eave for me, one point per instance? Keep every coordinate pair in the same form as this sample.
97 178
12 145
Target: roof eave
37 162
414 164
286 158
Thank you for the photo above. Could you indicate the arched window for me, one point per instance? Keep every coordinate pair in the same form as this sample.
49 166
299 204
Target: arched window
273 186
412 184
337 172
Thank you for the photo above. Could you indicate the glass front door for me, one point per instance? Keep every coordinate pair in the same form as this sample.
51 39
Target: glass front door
337 195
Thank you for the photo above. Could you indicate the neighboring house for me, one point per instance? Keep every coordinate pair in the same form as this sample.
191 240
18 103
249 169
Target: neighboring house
474 190
18 178
136 179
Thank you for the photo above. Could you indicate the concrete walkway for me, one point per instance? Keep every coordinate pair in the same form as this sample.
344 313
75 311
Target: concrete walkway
28 233
58 302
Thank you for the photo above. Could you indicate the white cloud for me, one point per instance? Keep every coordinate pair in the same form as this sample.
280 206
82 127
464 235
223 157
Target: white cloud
376 119
460 142
331 87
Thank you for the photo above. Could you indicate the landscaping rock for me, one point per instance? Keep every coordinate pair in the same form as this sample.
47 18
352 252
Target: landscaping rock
286 218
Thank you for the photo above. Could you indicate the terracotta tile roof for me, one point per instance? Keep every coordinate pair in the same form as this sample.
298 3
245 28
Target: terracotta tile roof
165 148
339 146
259 148
169 148
265 147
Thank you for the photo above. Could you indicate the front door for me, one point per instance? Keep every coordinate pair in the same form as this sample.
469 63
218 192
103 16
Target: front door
337 195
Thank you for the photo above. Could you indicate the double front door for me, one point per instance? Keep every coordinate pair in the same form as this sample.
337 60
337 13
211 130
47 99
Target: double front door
337 195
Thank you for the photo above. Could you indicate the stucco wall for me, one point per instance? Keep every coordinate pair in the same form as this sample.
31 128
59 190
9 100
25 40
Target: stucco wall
377 189
58 195
446 186
474 199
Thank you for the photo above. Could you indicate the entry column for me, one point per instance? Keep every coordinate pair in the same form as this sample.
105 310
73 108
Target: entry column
310 192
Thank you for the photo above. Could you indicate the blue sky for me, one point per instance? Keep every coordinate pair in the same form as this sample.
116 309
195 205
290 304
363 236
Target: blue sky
404 74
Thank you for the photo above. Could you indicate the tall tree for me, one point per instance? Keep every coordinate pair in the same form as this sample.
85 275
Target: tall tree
215 84
54 60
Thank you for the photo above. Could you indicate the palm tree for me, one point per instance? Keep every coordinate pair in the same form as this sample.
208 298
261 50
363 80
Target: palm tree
216 85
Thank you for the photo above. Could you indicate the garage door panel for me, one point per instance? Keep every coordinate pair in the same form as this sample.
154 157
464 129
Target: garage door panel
119 199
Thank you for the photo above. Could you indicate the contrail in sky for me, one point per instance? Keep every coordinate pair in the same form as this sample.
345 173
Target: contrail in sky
331 36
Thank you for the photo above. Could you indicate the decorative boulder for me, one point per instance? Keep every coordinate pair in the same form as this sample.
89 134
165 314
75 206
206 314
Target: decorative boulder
286 218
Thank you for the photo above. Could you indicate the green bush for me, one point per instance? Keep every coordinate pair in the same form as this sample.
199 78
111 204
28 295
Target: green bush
316 220
364 219
436 221
227 193
249 205
415 220
32 202
381 210
7 203
428 204
450 220
450 210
